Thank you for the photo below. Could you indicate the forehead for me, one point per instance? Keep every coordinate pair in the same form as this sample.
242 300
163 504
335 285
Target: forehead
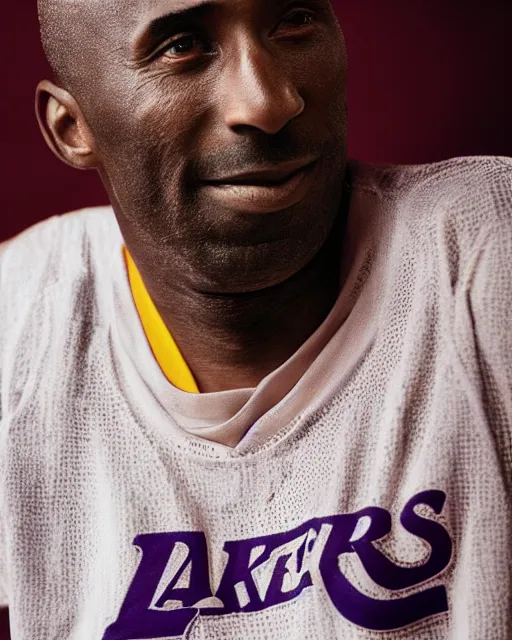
137 14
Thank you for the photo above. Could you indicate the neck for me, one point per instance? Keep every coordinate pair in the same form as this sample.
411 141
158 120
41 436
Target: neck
258 332
234 341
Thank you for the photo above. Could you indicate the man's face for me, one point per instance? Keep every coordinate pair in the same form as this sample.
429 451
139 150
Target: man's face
177 102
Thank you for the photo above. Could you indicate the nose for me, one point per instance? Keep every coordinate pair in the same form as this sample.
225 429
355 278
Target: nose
258 93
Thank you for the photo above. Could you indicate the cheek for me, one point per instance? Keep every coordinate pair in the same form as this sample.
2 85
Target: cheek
152 138
153 115
167 121
329 76
168 110
320 76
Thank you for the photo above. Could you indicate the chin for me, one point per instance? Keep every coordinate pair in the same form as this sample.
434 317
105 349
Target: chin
246 265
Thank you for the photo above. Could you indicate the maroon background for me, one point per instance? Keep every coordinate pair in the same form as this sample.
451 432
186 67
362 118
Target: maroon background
429 80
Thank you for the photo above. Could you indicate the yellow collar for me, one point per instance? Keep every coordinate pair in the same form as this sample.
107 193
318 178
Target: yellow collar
164 348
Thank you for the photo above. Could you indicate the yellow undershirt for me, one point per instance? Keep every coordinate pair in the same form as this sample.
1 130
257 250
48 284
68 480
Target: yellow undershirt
165 350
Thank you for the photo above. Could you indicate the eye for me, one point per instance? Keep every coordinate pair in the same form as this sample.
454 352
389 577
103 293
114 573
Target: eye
300 19
185 46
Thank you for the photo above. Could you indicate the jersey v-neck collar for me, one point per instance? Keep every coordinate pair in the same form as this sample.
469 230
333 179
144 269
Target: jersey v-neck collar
240 421
160 339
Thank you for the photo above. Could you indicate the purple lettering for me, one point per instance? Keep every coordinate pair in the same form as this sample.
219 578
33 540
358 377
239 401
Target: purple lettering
356 533
385 572
171 586
268 570
174 570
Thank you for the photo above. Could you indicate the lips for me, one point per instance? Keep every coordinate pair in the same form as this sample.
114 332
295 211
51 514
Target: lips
269 176
265 191
259 181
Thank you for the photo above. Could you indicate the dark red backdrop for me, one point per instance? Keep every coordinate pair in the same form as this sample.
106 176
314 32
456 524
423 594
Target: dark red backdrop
429 79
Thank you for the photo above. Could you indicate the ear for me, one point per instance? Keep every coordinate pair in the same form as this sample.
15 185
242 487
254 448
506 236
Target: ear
63 126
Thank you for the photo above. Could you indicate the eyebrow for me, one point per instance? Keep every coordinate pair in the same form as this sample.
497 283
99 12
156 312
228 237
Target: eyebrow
158 28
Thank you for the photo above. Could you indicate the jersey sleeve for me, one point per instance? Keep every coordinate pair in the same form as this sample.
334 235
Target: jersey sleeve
3 586
3 246
490 301
4 601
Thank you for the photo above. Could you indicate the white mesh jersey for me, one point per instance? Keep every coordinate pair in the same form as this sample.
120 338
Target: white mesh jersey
361 491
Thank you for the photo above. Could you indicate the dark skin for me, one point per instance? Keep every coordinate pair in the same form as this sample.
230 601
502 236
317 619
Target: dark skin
238 85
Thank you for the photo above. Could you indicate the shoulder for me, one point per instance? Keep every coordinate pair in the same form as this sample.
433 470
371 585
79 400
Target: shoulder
56 249
46 236
474 191
456 181
46 247
471 197
450 203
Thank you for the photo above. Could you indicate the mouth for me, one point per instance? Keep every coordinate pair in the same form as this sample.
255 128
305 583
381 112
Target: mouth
269 176
265 191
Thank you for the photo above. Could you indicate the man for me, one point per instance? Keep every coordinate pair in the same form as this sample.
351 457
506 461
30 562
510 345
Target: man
267 394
